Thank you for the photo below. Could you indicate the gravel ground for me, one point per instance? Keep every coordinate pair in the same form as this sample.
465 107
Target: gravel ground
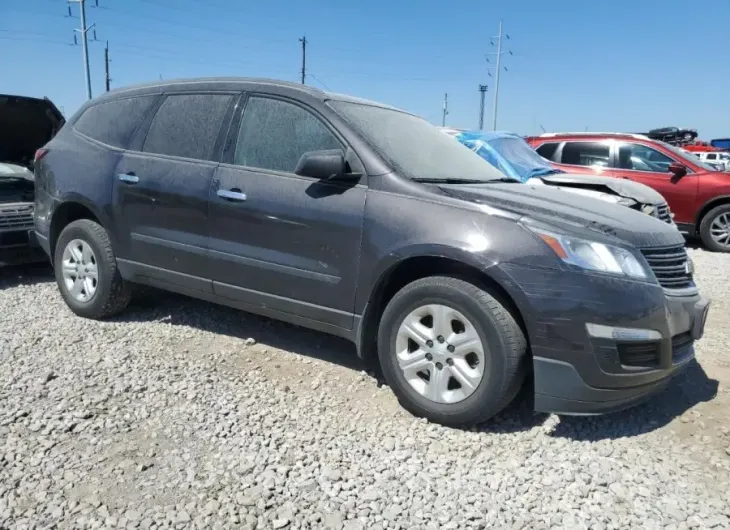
183 414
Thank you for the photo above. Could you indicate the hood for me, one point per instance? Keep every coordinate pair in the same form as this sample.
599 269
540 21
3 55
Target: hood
622 187
575 213
27 124
13 172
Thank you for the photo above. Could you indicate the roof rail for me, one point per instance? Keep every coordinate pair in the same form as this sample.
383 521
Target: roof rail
584 133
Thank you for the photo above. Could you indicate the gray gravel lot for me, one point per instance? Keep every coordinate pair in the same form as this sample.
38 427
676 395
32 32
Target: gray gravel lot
183 414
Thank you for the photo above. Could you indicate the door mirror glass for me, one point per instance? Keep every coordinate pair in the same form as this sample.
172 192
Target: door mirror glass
678 170
322 165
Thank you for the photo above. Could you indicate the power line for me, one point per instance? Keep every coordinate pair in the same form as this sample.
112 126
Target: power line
319 81
498 69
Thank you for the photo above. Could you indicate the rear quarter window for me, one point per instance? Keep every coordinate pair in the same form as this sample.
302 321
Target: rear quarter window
114 122
547 150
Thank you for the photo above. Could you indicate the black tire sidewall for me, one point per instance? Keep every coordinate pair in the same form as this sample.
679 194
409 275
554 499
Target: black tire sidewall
486 399
706 224
104 283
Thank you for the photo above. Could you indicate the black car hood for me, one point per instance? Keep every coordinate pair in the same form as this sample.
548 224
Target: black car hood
26 124
577 213
623 187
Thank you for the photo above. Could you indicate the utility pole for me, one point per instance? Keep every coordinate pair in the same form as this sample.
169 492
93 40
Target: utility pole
482 92
446 110
303 40
84 41
498 69
106 66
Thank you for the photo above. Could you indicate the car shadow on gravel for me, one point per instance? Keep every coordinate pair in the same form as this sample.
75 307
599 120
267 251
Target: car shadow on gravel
688 389
152 304
29 274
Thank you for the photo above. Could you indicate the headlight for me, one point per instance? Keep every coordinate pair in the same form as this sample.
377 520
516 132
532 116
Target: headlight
595 256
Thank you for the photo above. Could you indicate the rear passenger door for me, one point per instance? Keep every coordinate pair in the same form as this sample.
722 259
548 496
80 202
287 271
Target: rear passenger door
279 241
161 189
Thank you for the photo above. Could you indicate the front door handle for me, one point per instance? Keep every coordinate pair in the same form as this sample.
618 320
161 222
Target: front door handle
129 178
231 195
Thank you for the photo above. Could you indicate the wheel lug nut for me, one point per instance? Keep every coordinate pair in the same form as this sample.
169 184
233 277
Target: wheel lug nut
429 356
450 361
440 339
451 348
439 366
429 343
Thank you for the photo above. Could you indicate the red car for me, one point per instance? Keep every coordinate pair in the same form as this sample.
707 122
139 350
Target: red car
698 195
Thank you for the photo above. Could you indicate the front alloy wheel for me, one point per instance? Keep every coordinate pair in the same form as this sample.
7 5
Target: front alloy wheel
440 353
450 350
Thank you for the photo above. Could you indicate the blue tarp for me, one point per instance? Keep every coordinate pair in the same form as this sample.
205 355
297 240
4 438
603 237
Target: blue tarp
506 151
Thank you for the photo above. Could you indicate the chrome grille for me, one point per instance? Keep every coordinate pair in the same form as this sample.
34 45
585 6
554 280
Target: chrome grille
663 214
16 218
670 266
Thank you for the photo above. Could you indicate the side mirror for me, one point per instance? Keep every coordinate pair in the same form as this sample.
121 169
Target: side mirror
678 170
325 165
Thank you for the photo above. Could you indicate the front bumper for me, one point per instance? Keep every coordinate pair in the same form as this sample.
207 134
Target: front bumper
559 387
577 372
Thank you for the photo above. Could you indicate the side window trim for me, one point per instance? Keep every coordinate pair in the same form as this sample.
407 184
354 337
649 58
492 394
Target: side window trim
138 141
235 131
140 134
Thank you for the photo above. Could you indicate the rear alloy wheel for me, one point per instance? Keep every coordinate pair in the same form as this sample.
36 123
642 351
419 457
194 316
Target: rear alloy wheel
86 271
80 270
715 229
450 351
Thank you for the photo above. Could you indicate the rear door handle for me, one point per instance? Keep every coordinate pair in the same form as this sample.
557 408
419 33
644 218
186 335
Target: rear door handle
129 178
231 195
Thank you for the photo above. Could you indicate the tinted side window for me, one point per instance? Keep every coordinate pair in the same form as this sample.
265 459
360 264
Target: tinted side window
711 156
585 154
547 150
642 158
187 125
275 134
114 122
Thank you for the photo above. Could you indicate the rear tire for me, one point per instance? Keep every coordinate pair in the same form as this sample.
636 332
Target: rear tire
483 347
86 271
713 223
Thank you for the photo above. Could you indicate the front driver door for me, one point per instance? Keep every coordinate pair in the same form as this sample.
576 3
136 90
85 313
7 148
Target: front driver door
279 241
644 164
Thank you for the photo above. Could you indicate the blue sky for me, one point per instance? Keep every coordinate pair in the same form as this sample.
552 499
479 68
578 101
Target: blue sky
626 65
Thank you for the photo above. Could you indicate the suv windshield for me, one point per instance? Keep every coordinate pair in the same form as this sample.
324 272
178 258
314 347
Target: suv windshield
414 147
692 159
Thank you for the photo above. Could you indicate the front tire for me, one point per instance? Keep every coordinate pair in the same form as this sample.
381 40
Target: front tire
86 271
715 229
450 351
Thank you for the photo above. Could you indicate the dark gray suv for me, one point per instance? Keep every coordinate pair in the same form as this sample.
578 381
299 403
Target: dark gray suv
364 221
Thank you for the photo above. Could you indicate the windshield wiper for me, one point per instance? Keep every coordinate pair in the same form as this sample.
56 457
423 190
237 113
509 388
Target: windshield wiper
541 171
449 181
504 179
